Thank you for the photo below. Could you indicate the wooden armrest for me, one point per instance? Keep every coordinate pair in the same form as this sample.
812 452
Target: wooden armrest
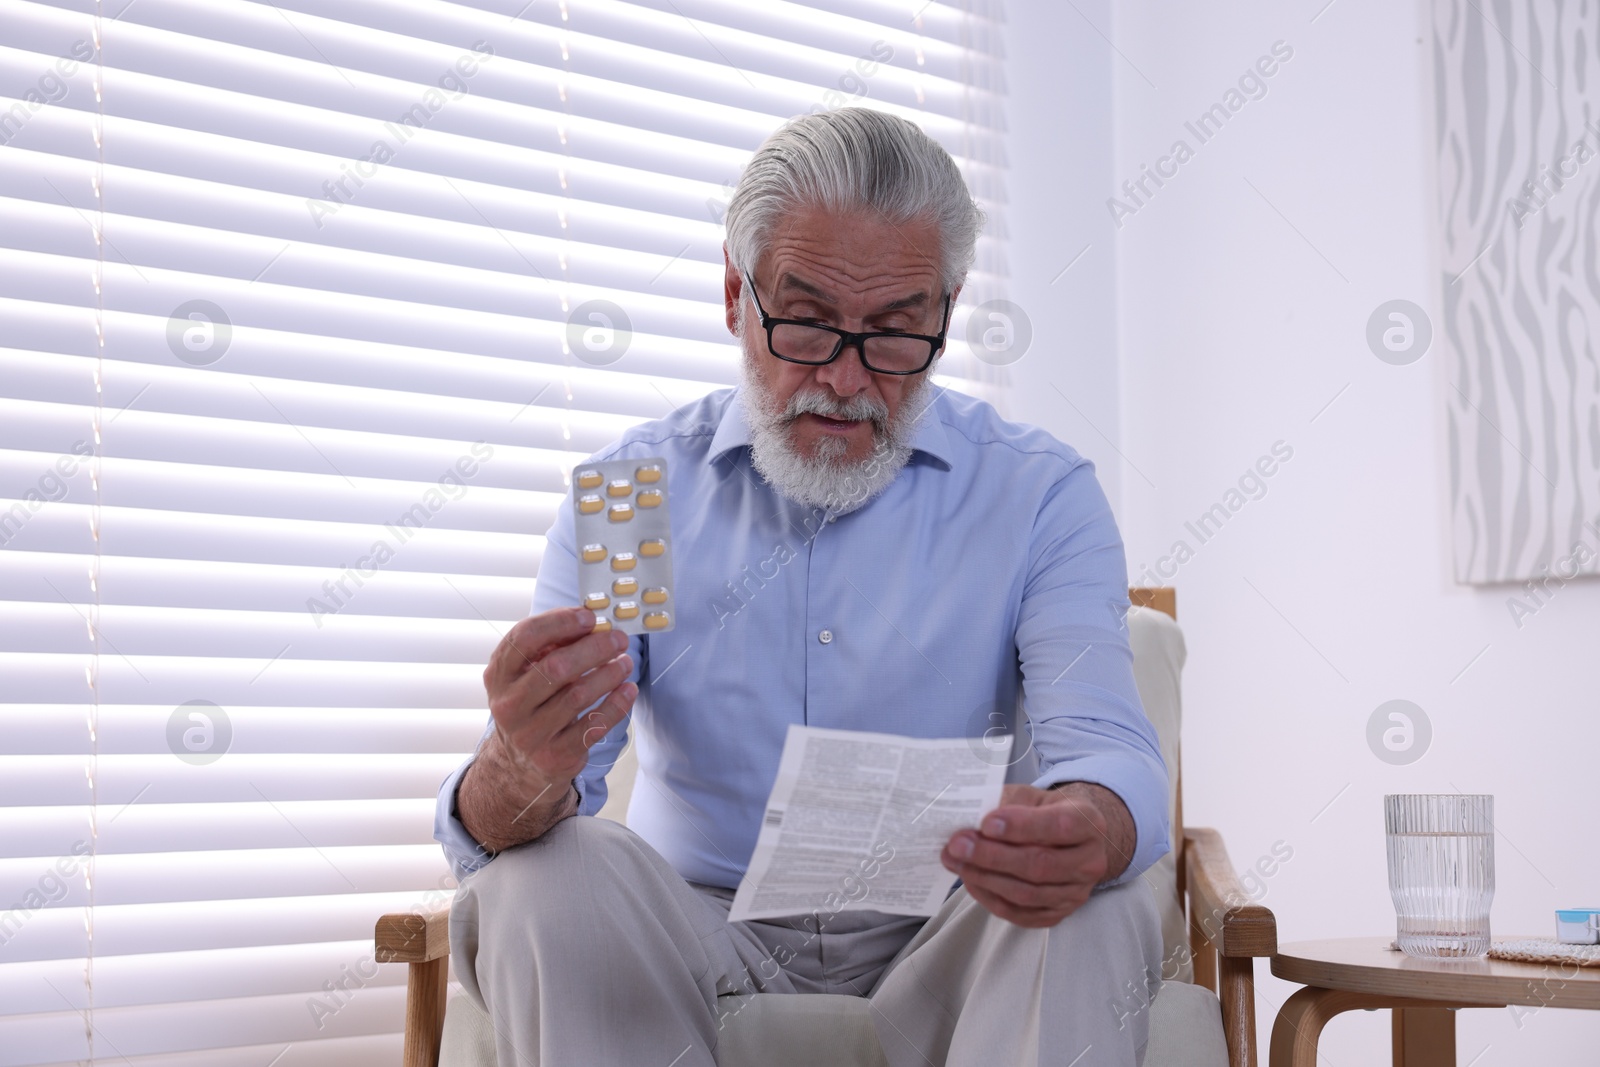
421 939
412 937
1218 905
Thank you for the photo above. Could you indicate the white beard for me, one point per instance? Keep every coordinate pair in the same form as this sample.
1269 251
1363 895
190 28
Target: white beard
827 480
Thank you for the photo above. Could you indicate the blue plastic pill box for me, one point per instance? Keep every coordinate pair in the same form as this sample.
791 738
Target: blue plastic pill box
1578 926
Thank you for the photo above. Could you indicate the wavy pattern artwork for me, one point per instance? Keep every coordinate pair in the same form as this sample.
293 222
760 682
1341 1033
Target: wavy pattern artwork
1518 120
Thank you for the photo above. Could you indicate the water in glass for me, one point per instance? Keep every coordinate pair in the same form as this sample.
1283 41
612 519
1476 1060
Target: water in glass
1441 872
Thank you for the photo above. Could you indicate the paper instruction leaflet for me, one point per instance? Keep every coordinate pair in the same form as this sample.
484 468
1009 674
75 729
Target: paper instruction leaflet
856 822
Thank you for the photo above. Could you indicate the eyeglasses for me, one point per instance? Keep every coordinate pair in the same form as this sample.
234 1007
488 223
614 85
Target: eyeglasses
885 352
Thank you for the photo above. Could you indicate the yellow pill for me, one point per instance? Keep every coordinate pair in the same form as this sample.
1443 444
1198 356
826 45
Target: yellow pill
589 479
649 498
657 620
590 504
658 595
623 561
652 549
601 626
620 487
626 586
594 553
620 512
627 610
648 475
596 601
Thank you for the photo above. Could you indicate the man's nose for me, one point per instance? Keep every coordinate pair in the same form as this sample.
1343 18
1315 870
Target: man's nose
847 375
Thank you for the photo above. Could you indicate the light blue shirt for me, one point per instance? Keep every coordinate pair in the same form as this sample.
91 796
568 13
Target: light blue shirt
987 578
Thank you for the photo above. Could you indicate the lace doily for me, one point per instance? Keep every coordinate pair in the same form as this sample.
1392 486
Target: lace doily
1541 950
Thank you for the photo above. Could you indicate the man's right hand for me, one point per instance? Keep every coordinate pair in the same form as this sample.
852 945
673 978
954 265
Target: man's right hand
541 676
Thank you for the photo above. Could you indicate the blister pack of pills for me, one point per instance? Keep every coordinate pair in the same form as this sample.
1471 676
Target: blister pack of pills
624 544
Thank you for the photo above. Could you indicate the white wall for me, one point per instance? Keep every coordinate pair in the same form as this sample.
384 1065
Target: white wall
1243 288
1332 594
1059 148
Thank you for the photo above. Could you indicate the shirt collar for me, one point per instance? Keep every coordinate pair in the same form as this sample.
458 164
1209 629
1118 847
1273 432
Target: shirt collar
930 439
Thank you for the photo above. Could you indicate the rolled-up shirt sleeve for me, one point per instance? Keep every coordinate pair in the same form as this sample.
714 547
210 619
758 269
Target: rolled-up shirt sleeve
1078 687
557 587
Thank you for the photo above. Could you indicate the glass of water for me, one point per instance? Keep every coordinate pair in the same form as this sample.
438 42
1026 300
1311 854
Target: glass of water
1441 872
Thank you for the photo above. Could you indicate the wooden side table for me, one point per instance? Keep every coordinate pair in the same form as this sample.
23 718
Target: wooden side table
1364 972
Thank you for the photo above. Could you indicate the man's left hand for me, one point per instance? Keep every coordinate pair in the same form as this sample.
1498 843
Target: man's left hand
1036 858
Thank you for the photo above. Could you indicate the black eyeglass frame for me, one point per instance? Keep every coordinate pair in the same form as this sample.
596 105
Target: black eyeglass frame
848 339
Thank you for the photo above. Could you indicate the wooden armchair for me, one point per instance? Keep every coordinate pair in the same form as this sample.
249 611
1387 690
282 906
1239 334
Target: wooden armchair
1227 932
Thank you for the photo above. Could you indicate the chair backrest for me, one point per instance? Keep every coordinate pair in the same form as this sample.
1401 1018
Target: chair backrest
1164 598
1158 657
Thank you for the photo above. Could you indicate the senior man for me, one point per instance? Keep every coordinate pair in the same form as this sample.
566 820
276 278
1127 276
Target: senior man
854 548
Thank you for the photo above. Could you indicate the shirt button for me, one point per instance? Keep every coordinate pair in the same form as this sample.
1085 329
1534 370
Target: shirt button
825 636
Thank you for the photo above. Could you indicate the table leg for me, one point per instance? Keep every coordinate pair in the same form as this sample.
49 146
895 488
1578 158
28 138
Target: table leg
1424 1037
1299 1024
1424 1032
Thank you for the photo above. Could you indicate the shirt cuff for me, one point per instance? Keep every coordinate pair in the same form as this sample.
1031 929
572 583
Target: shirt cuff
460 848
1147 806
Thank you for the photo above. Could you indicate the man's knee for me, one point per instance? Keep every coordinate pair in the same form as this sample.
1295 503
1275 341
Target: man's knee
588 889
1123 914
576 858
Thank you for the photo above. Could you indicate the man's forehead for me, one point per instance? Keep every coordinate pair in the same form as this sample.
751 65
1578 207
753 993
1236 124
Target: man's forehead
896 291
832 255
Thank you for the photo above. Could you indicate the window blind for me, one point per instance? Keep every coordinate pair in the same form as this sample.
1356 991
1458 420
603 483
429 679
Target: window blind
306 309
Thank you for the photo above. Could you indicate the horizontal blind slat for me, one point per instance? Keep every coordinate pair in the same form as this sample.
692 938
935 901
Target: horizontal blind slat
41 835
135 582
367 1050
164 877
66 527
63 678
211 924
177 977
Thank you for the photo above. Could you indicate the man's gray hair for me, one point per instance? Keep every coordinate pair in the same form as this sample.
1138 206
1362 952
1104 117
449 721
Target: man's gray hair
854 161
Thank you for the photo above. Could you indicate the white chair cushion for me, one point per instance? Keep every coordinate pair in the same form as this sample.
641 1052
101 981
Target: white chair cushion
772 1030
788 1030
468 1039
801 1031
1186 1028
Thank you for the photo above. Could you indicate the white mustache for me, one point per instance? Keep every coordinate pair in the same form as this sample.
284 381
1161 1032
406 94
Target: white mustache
858 408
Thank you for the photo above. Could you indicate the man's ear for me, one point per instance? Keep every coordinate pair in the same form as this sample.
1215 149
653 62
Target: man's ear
732 292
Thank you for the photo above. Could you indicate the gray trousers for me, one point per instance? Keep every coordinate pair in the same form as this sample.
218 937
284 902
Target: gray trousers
586 948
